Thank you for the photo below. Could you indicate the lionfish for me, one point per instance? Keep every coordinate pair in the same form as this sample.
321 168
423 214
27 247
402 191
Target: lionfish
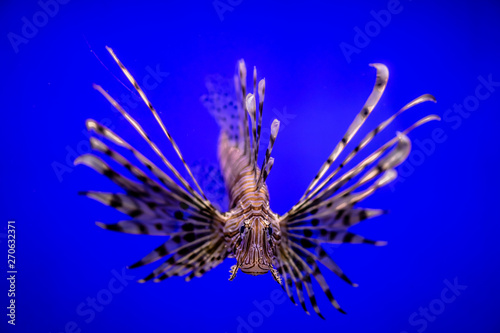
200 236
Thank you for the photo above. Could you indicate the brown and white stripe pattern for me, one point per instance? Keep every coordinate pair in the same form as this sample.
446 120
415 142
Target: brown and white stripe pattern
200 237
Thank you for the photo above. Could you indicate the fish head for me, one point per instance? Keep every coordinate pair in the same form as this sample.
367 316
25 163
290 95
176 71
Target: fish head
256 246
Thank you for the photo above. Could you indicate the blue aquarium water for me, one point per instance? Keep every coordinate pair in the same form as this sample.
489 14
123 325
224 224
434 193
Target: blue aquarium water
439 271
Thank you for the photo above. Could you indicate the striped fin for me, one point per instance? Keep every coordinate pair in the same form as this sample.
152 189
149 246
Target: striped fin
185 225
144 135
96 163
369 137
142 208
232 113
309 259
309 267
195 263
212 182
347 198
287 284
315 252
172 189
317 229
173 245
181 258
336 185
155 114
262 89
199 259
146 206
242 75
251 107
152 185
339 218
154 227
328 209
275 126
327 235
265 172
292 272
394 158
157 207
303 242
223 104
378 90
305 277
213 257
320 198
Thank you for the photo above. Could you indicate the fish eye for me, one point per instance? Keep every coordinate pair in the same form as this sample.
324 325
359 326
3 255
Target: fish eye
270 230
242 229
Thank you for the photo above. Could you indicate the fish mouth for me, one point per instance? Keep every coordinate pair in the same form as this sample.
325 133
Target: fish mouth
256 268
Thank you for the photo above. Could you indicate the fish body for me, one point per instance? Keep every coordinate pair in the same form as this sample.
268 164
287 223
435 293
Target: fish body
200 236
252 229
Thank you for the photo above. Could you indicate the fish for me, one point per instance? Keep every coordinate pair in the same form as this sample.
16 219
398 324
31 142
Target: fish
200 236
